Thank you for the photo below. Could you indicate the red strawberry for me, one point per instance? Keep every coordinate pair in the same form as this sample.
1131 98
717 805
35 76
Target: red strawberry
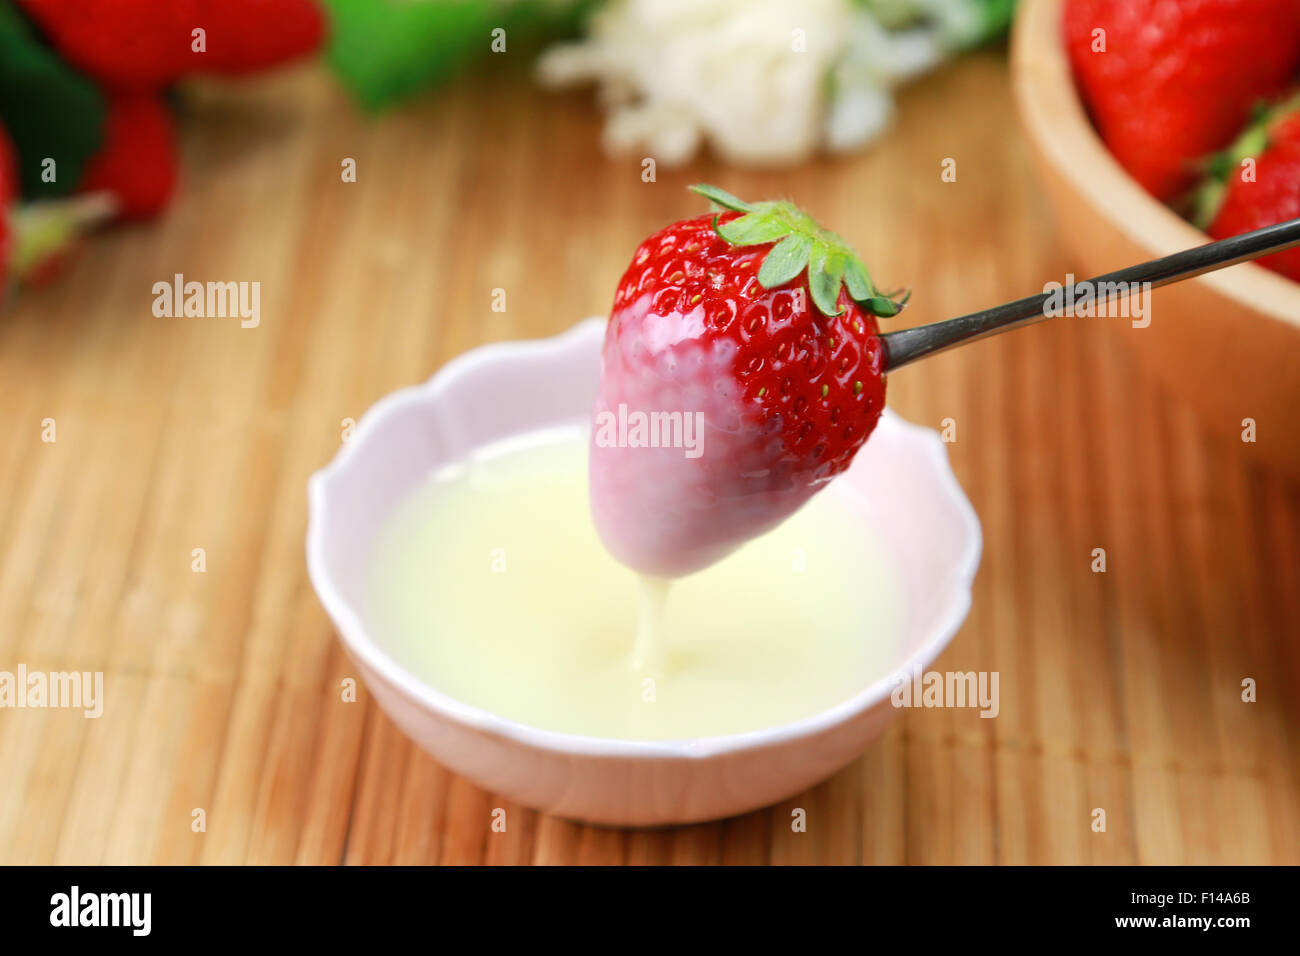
148 44
1177 80
765 325
137 163
1272 195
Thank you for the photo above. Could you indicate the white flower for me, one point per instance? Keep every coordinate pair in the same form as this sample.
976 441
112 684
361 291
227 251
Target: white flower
747 75
762 81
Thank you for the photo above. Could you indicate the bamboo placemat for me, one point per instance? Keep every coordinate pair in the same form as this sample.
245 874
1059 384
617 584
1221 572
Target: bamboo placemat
1119 691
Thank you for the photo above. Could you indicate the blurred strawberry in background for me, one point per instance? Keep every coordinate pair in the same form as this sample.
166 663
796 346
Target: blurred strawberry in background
1169 83
83 95
137 164
149 44
1257 183
1179 93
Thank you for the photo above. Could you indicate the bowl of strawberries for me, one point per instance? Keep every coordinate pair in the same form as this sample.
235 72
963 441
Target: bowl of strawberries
1157 126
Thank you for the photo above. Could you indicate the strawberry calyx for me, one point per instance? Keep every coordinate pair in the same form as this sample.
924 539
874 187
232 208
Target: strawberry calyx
45 230
800 243
1253 142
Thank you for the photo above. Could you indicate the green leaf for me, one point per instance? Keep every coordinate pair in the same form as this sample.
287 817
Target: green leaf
825 272
885 307
857 279
785 261
995 18
800 243
721 197
1205 200
49 111
389 50
754 229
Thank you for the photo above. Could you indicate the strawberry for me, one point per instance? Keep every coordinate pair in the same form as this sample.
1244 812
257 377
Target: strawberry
765 325
137 163
1177 80
1236 203
148 44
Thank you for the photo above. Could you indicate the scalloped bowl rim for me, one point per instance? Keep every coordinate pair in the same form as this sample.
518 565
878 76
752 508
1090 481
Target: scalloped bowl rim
358 642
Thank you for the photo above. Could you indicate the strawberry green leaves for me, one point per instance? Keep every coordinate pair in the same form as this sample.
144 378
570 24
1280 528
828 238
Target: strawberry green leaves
799 244
786 260
858 281
886 307
721 197
1208 198
754 229
825 273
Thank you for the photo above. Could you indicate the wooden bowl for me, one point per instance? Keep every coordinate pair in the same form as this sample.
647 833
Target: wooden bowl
1227 342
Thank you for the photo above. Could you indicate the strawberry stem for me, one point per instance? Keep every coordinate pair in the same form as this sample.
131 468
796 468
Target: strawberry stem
1251 144
800 244
46 228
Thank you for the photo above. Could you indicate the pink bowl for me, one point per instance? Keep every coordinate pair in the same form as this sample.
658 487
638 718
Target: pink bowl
913 501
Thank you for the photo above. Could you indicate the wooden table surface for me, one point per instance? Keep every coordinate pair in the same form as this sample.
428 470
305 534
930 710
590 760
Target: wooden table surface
1119 690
